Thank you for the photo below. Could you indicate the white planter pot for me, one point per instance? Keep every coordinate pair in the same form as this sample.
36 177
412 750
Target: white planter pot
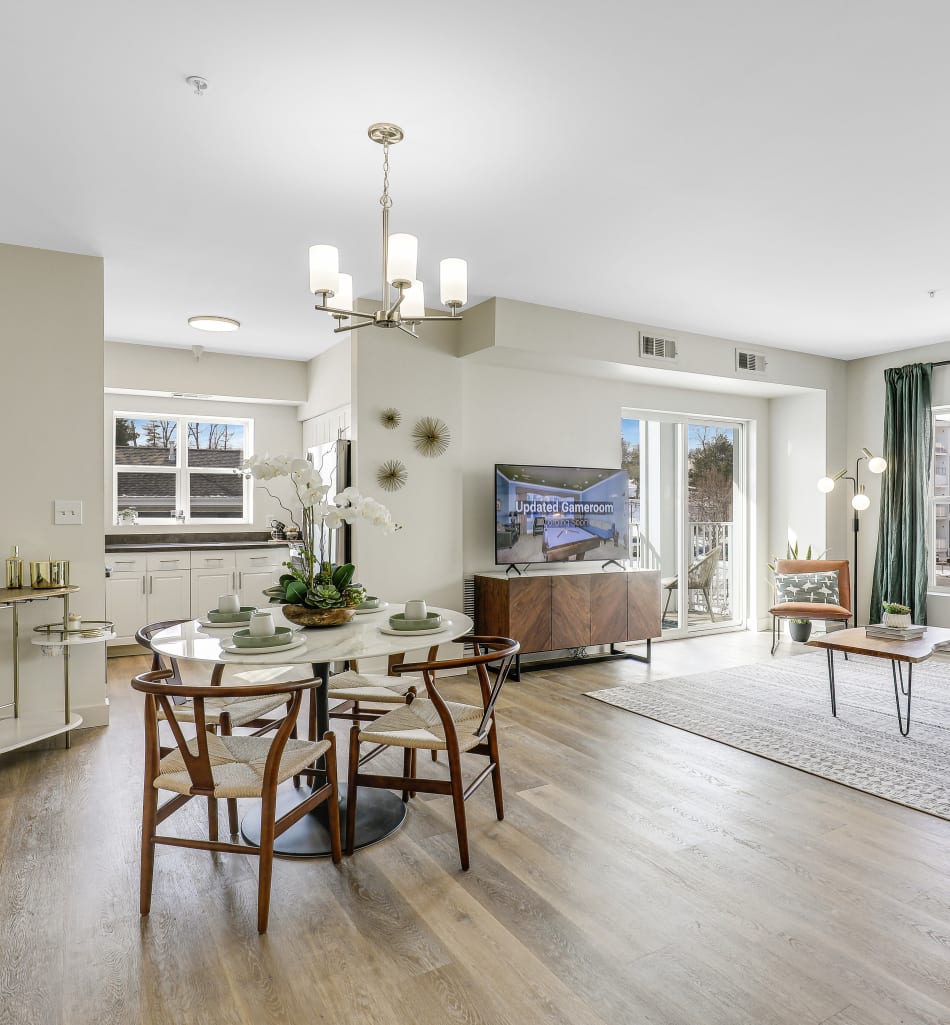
895 619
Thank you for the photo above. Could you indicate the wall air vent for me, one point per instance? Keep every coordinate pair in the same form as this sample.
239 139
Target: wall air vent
657 348
754 362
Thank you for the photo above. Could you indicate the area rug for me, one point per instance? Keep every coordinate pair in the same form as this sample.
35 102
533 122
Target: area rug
781 710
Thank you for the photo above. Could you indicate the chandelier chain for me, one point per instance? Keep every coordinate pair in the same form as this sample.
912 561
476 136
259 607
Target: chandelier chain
385 200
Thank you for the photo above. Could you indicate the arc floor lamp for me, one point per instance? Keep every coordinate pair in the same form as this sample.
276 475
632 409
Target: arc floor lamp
859 502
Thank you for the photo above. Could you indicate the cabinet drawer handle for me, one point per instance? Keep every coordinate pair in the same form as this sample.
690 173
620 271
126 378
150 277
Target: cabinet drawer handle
213 560
176 561
258 558
143 585
124 562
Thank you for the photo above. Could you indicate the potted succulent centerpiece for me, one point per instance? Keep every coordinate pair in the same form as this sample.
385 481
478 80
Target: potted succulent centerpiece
896 615
313 591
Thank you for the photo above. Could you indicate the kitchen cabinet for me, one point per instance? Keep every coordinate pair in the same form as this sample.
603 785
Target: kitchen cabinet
127 600
212 574
257 570
152 587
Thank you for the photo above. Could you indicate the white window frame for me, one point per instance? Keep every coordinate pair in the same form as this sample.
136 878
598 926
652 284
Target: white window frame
938 460
182 472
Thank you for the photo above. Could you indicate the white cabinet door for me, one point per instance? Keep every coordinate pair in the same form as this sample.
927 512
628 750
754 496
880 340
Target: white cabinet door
251 584
207 585
169 595
257 569
126 603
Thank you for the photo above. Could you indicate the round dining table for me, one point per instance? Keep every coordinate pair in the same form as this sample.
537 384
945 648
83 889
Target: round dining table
379 812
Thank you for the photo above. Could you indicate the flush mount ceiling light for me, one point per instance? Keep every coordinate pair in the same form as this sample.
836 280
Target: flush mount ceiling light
407 309
207 322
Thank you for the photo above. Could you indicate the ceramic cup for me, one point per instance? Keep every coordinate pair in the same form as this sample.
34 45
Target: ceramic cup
261 624
416 609
229 603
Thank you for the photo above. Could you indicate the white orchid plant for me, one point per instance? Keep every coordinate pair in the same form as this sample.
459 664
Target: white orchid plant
314 581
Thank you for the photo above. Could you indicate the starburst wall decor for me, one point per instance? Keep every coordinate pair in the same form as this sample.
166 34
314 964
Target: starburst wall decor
392 475
430 436
390 418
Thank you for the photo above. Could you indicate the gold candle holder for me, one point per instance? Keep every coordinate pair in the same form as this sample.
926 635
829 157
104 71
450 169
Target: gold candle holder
49 573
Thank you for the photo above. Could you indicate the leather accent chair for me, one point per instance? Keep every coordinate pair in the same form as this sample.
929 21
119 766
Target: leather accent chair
813 610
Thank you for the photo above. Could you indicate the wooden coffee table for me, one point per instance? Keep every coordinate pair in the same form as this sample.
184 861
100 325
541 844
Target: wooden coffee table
856 642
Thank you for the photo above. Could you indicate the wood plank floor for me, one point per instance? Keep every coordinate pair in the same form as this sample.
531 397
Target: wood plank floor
642 875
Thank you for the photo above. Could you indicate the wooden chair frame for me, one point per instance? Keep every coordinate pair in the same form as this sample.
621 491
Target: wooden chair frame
500 649
159 694
224 725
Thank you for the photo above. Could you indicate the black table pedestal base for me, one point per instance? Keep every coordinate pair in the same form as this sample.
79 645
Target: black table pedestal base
379 813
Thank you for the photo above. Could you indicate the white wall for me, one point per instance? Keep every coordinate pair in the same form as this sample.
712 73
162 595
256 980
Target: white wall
866 428
797 509
527 416
424 559
50 419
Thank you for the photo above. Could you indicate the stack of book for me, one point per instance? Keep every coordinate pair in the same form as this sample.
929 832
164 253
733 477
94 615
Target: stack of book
895 633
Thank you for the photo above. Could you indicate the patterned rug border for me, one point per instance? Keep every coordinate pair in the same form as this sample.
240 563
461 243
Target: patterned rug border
804 661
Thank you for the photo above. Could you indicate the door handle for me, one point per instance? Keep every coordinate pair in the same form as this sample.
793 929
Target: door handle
240 580
143 585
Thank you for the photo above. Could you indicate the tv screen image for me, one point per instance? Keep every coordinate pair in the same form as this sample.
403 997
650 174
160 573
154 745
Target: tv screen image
560 514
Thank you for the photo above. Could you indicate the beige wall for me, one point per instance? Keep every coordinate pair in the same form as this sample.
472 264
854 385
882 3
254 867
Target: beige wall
51 312
527 383
164 370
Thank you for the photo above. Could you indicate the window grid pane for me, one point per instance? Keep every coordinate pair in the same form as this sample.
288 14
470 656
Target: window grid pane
167 481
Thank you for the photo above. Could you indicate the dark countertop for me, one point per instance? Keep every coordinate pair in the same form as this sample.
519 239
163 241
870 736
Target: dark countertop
190 546
182 541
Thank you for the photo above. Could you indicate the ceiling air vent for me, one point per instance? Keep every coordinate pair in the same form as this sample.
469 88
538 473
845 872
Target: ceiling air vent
657 348
752 361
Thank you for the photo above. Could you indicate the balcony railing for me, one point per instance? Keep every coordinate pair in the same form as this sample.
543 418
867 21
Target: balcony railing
704 536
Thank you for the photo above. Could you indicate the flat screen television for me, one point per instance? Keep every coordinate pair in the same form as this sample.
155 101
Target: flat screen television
560 514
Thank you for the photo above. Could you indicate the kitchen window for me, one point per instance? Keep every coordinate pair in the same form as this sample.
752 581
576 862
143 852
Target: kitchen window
180 469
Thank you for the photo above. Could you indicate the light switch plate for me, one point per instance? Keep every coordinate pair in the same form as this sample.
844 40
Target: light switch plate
67 511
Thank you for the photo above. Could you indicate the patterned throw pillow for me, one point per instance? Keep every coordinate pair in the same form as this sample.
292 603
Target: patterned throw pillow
819 588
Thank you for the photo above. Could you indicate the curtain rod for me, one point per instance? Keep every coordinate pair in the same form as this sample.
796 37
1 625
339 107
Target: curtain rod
941 363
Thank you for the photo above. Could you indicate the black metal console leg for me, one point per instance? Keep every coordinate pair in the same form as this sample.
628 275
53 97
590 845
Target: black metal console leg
645 659
831 681
775 635
903 721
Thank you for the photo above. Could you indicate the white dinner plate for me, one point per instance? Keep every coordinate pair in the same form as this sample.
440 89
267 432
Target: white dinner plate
233 649
446 623
367 612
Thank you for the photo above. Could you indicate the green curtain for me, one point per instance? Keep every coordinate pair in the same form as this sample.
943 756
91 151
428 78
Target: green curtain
900 567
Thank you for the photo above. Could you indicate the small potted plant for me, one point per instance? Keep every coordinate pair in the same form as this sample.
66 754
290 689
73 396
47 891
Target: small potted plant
799 629
896 615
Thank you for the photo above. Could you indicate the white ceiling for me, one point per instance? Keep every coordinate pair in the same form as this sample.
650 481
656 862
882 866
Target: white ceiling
774 173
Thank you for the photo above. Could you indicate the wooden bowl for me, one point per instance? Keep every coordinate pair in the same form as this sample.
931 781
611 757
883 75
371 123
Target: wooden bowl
303 616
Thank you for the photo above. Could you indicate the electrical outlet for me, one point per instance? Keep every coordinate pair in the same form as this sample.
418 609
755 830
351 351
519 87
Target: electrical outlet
67 511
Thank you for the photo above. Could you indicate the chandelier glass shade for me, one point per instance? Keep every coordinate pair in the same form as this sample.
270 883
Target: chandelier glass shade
403 294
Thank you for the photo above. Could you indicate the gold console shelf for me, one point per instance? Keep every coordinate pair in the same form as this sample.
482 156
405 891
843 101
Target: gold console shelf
22 730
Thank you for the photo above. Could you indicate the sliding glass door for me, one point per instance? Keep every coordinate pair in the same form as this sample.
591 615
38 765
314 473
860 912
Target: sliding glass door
686 512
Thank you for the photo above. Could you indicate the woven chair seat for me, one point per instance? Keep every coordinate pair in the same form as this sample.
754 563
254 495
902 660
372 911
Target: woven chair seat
392 690
237 764
418 725
241 710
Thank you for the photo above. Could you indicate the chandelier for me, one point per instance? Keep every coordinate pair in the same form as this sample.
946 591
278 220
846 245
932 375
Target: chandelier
406 308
